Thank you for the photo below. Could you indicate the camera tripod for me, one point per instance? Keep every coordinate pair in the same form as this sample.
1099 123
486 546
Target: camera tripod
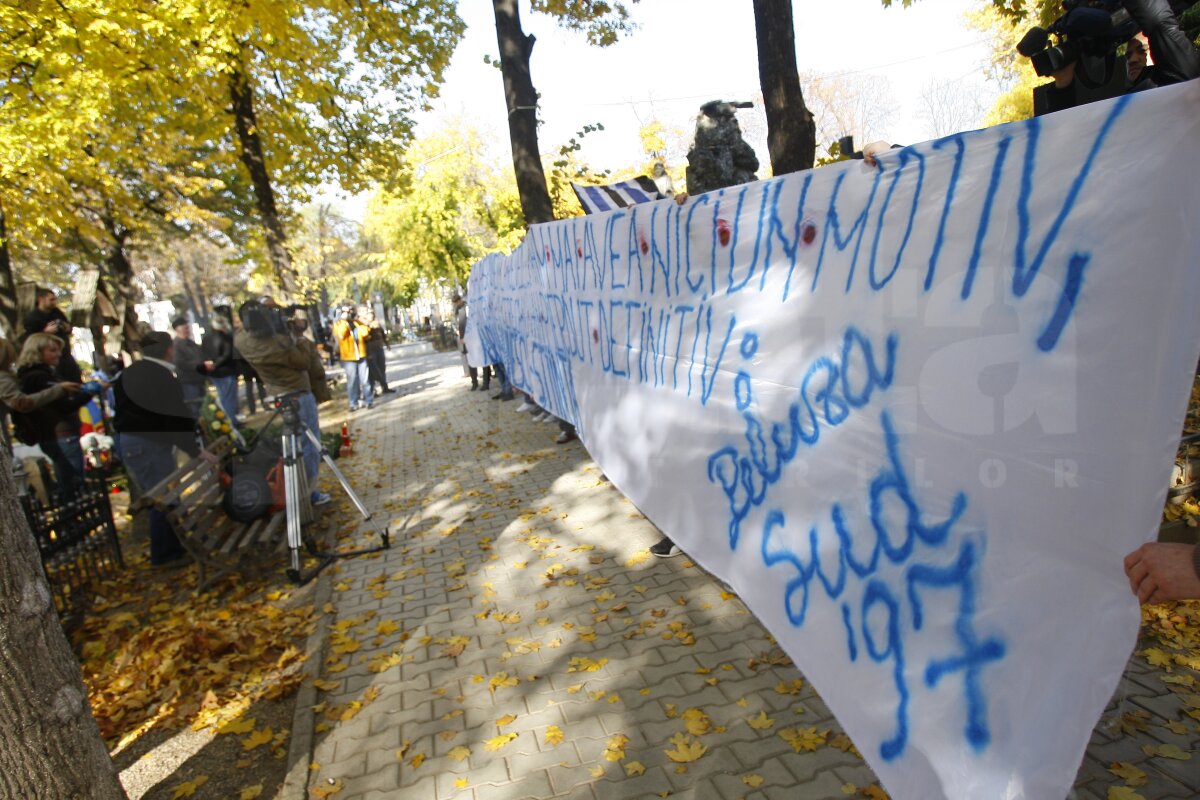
297 506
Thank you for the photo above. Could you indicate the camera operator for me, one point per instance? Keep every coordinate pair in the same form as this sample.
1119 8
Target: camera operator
350 336
267 343
1175 58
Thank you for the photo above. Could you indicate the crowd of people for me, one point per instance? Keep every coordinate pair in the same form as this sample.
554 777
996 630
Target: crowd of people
153 404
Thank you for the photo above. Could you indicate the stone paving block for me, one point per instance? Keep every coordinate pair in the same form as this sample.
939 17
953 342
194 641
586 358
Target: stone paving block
386 740
384 779
479 769
535 785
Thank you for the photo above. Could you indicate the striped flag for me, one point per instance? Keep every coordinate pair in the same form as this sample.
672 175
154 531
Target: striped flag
609 197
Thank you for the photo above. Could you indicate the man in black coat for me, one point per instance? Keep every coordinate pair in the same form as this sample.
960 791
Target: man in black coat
152 421
47 317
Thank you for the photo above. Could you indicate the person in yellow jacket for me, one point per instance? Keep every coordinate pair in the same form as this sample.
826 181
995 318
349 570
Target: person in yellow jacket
350 337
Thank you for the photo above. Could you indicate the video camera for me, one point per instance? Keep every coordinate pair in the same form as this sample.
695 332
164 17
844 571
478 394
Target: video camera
1087 28
261 320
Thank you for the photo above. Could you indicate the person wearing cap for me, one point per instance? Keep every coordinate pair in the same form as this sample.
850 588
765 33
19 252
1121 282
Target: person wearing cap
152 421
350 336
189 365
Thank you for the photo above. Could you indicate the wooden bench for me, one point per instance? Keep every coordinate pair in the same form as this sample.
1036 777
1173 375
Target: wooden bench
191 498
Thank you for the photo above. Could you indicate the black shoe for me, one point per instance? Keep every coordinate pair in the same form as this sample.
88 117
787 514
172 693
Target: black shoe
566 436
388 391
486 385
474 387
507 396
497 396
665 548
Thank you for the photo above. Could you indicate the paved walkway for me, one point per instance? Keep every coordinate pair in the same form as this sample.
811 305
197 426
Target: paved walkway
519 641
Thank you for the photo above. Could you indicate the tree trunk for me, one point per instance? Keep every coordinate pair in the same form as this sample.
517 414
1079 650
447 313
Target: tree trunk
52 746
8 286
242 95
124 335
791 134
521 99
194 300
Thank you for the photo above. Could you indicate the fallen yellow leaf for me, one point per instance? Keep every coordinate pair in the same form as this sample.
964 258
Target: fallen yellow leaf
189 788
634 768
1167 751
696 722
461 783
761 722
460 753
258 738
251 792
244 725
507 719
1123 793
553 735
417 760
615 750
1128 773
685 749
496 742
329 789
753 780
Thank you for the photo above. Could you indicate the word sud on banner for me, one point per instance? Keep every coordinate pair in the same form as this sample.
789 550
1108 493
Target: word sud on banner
916 416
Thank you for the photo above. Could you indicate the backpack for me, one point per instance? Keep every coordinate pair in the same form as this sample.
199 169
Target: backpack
255 486
25 428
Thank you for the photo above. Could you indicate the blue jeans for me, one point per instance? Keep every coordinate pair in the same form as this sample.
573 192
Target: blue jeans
67 457
357 384
502 376
148 461
228 396
307 411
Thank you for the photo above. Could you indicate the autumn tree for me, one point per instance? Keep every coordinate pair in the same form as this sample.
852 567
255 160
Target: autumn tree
52 745
316 91
791 133
456 207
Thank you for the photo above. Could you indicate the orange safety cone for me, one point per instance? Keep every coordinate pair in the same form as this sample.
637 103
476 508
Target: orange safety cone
347 445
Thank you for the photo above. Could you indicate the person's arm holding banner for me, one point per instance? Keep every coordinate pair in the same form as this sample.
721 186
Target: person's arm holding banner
1159 572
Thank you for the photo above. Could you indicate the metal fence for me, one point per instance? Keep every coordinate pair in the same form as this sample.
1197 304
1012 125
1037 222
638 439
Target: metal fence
79 545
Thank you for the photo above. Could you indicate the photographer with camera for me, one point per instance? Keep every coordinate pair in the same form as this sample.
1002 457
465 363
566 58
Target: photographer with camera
47 317
266 341
350 337
1084 63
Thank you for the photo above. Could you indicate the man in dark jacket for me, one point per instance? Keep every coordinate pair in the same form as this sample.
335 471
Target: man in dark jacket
220 363
47 317
152 421
189 365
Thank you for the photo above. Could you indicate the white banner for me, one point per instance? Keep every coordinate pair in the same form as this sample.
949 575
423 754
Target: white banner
916 415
